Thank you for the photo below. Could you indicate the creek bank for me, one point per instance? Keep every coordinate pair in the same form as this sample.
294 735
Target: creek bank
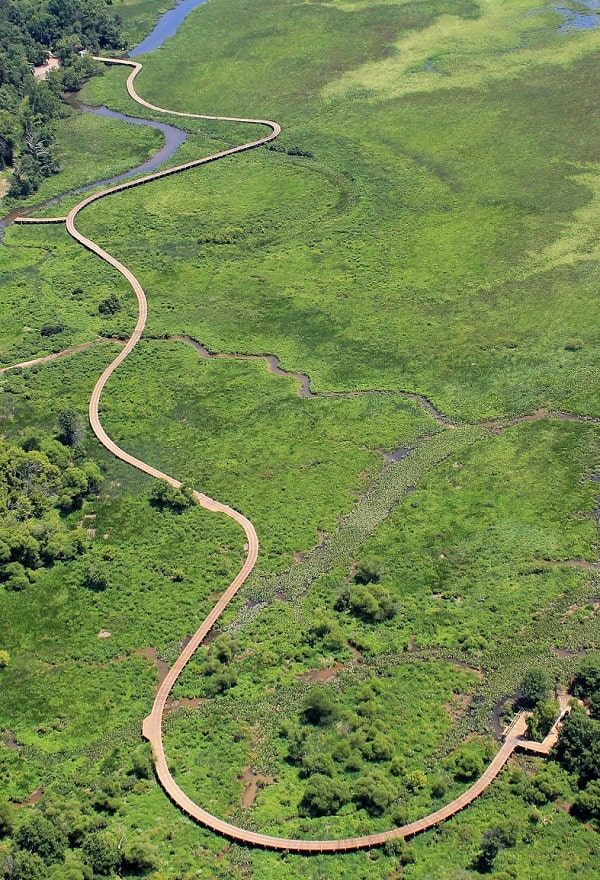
174 138
166 26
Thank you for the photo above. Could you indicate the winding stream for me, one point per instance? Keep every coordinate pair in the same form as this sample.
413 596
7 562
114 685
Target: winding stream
580 20
174 138
166 27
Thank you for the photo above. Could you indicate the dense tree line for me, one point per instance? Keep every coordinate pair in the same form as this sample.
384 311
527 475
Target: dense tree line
71 835
578 747
39 480
29 31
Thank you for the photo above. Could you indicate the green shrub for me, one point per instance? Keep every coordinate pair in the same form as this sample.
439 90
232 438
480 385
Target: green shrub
110 306
52 328
323 796
319 707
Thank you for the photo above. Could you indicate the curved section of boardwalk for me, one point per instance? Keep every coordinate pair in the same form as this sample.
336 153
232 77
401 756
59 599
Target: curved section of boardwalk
152 726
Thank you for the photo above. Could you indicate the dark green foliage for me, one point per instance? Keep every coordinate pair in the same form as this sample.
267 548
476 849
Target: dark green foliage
96 576
223 648
373 744
14 576
587 803
164 496
29 30
71 427
220 675
370 602
93 475
439 787
535 687
578 746
490 847
26 179
101 850
32 536
541 719
327 634
297 151
73 815
24 865
51 329
594 705
323 796
7 819
548 784
28 480
141 764
415 781
318 764
319 707
467 766
493 840
375 792
42 837
296 738
368 571
110 306
587 679
139 856
74 488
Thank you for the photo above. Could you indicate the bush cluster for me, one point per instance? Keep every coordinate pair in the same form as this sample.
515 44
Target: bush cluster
38 482
69 836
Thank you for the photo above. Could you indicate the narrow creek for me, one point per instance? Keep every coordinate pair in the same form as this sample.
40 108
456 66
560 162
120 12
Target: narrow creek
166 27
174 137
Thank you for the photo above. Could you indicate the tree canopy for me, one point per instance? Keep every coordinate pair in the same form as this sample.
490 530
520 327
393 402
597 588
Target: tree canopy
535 687
36 486
29 31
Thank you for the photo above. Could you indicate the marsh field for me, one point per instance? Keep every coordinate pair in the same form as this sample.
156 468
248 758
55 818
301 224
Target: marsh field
419 249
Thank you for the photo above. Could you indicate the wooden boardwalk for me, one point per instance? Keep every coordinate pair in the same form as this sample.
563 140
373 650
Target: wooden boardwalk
152 725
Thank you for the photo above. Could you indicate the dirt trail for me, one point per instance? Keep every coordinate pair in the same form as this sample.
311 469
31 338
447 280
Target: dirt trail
52 357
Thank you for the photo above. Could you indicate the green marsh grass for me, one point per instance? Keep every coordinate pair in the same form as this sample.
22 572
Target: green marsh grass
434 282
440 240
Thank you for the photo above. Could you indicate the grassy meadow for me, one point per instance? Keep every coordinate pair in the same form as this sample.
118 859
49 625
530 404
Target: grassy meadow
438 240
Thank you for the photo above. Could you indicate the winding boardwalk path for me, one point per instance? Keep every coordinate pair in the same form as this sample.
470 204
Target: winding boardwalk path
152 726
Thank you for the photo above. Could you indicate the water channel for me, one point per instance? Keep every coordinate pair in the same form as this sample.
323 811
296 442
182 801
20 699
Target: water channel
166 27
586 18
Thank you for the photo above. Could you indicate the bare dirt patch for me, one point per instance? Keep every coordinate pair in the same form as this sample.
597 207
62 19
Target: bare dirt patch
42 70
253 782
9 740
35 797
324 674
161 666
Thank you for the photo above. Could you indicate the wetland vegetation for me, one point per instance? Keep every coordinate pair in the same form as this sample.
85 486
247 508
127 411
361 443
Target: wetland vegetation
428 227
